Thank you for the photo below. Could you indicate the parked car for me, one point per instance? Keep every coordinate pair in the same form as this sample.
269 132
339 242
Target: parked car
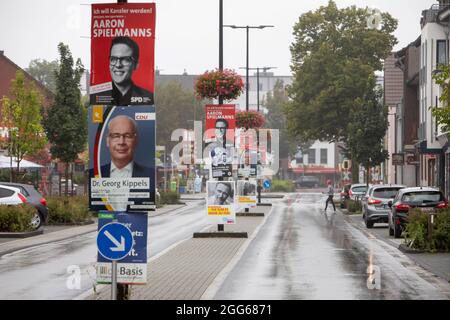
375 205
307 182
34 198
11 196
357 191
343 195
424 198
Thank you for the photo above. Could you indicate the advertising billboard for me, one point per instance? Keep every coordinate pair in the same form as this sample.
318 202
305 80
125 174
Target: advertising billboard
122 158
220 202
122 54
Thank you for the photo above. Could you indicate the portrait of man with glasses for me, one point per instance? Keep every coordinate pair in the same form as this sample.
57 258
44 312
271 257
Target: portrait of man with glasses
123 62
122 140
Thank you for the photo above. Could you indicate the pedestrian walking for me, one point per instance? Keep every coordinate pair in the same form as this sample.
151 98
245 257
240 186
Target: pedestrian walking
330 193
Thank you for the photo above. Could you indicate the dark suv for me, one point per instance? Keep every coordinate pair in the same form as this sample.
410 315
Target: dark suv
424 198
35 199
307 182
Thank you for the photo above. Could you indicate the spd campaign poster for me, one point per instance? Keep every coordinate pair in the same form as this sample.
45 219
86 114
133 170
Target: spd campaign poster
220 123
122 158
220 202
247 193
133 268
122 54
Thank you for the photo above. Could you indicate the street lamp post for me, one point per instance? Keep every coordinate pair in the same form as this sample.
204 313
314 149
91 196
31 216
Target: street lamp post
247 56
257 132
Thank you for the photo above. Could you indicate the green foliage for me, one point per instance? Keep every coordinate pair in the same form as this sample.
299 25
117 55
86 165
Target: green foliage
22 114
442 114
72 210
282 186
177 108
334 54
367 128
275 103
353 206
170 197
44 72
417 231
16 218
66 120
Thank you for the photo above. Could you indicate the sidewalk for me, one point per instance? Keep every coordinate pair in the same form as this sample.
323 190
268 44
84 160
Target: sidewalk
188 270
66 233
436 263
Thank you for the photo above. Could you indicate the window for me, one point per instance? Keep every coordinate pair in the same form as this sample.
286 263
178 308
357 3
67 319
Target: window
441 54
323 156
5 193
312 156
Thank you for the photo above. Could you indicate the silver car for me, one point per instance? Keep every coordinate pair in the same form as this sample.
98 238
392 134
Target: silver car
375 205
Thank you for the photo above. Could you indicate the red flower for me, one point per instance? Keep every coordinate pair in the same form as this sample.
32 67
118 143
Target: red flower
212 84
249 119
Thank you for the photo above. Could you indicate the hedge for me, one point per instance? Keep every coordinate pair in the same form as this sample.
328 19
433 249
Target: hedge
282 186
417 237
70 210
16 218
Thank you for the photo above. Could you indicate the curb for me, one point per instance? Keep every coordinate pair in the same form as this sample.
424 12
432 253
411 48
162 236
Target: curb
73 224
21 235
250 214
221 234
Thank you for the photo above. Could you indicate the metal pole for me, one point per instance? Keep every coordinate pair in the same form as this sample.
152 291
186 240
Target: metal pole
114 281
247 85
165 171
220 227
257 90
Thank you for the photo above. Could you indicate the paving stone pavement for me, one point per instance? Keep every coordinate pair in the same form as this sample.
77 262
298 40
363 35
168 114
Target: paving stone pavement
187 270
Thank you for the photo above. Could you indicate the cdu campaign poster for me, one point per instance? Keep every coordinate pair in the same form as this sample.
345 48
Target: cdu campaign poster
122 158
122 54
220 202
133 268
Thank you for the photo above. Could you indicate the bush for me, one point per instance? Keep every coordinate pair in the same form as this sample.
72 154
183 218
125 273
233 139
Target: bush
170 197
353 206
417 231
68 210
282 186
16 218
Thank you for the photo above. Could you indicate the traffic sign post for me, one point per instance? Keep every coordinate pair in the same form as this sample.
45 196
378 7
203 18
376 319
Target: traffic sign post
114 242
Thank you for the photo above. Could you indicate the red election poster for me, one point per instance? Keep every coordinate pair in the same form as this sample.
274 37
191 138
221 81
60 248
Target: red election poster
220 119
122 54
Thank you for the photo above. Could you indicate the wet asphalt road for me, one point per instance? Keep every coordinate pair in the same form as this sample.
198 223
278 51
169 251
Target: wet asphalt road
41 272
303 253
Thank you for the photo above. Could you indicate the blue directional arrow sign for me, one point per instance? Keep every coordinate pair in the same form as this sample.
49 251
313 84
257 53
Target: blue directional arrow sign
114 241
267 184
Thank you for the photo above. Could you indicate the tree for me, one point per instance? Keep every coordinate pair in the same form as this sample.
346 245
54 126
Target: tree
368 125
275 103
66 120
45 72
22 116
177 108
442 114
334 54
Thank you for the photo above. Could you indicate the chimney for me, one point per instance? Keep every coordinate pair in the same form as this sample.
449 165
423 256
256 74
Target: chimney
2 52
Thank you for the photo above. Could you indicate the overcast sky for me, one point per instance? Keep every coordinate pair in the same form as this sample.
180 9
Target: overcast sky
186 31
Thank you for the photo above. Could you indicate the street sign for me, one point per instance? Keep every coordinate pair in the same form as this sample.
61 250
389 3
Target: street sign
398 159
267 184
114 241
133 267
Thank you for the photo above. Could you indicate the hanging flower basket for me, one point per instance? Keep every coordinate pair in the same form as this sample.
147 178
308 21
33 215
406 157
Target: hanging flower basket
212 84
249 119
